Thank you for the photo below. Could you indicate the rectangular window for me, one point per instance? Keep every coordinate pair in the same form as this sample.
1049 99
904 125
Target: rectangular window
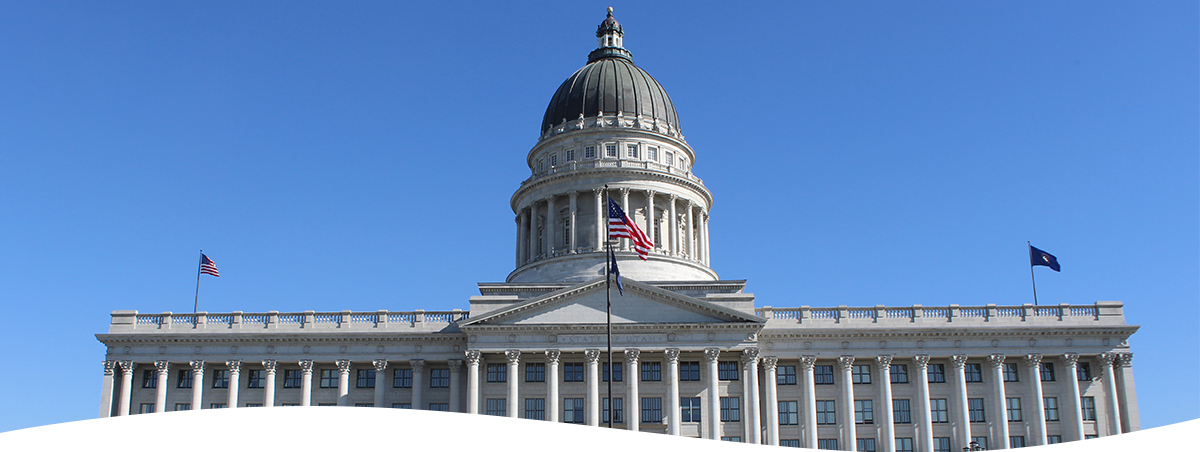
633 151
937 373
1016 442
439 378
865 444
402 378
1010 372
904 445
1051 404
1090 436
553 160
727 371
652 371
215 406
1087 407
939 414
901 411
569 156
365 378
359 405
292 378
326 404
146 408
258 379
439 406
788 412
1047 371
826 412
496 407
296 404
689 409
899 373
572 372
823 375
149 379
220 379
651 410
652 154
941 444
1053 439
1013 405
183 406
864 411
670 159
610 150
541 165
535 372
497 373
185 379
1083 372
620 406
860 374
618 374
973 373
589 152
980 441
689 371
329 378
731 409
573 411
975 410
731 439
785 375
406 406
789 443
827 444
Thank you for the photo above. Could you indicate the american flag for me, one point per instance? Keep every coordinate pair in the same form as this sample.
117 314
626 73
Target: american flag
208 267
620 226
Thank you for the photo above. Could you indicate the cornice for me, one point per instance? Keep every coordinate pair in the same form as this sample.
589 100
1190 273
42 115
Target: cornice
616 328
636 174
991 332
144 338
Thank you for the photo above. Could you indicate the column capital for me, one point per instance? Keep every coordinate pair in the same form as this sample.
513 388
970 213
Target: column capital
109 367
573 194
1033 359
380 365
650 193
162 366
958 361
712 354
591 355
672 355
672 197
127 366
306 365
417 364
624 191
473 356
884 360
234 365
455 365
513 355
343 365
269 365
599 191
995 360
921 361
807 362
1107 359
197 366
1070 359
1126 359
631 355
769 363
549 199
845 362
750 355
552 355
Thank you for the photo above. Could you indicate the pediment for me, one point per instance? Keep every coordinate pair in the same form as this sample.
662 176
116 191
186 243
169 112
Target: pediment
585 304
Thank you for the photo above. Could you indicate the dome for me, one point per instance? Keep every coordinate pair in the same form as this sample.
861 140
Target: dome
610 83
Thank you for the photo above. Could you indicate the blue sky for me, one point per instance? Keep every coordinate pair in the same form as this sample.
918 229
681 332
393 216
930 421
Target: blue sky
362 156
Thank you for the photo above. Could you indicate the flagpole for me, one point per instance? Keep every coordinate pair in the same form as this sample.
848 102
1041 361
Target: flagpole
1029 248
612 412
197 303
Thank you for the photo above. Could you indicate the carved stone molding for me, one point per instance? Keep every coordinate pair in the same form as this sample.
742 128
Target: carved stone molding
1106 361
884 360
109 366
513 355
712 354
235 366
1127 360
631 356
127 366
269 365
197 367
750 355
553 355
591 355
995 360
1070 359
958 361
455 365
921 361
306 365
807 362
1033 359
379 364
769 363
418 365
473 356
845 362
672 355
162 366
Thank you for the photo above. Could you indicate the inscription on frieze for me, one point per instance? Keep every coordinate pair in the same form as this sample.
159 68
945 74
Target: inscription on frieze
616 339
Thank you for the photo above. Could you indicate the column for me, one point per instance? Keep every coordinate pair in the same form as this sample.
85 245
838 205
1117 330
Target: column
343 366
810 401
548 229
712 356
650 217
1128 394
552 384
533 226
235 377
418 383
514 365
999 404
601 219
160 399
1033 365
473 381
571 243
704 242
750 358
633 404
455 385
884 362
625 206
921 363
106 390
592 357
306 368
269 392
769 363
380 366
1073 410
520 232
1110 392
127 368
522 236
673 234
197 384
691 239
672 355
963 428
849 434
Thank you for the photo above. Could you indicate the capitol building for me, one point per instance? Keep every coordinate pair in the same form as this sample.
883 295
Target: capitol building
693 354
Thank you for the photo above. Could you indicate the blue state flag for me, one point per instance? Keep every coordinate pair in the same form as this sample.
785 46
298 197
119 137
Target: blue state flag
613 270
1039 257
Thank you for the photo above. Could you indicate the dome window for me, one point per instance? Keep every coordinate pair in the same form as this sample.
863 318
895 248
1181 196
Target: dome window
553 160
610 150
652 154
589 152
670 158
633 151
569 156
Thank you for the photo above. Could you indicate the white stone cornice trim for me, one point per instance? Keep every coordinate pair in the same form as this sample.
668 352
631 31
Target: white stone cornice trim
640 175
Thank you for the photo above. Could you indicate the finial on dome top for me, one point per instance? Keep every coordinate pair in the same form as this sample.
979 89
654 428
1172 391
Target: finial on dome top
609 10
610 38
